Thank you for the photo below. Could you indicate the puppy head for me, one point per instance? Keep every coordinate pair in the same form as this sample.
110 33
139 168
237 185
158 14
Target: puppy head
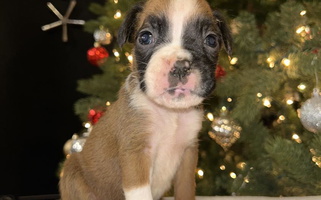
177 43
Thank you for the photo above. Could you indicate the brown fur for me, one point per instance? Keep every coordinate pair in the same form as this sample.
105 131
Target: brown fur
80 169
184 183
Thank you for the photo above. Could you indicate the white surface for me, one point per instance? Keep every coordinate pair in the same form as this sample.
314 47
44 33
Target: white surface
252 198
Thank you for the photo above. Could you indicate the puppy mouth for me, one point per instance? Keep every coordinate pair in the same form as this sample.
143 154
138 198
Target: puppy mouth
179 91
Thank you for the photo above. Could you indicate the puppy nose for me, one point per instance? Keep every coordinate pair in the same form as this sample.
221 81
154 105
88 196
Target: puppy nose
181 69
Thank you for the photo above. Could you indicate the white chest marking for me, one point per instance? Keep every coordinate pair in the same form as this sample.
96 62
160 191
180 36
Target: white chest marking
172 133
141 193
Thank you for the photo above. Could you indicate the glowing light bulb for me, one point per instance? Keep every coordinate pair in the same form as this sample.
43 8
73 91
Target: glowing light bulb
281 117
286 62
87 125
233 60
269 59
130 58
246 180
296 138
241 165
233 175
210 116
303 12
115 1
302 87
200 173
300 29
117 14
271 65
116 53
289 101
267 102
229 99
259 95
108 103
222 167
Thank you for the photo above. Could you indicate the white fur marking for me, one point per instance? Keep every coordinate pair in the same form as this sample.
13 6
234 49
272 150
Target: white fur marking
172 132
141 193
180 11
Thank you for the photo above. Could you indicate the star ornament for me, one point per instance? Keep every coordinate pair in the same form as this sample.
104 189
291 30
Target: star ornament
63 19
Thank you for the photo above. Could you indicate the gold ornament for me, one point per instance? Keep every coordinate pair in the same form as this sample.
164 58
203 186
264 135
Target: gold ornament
225 131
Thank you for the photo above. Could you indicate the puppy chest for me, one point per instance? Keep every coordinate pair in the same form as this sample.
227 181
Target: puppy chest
171 134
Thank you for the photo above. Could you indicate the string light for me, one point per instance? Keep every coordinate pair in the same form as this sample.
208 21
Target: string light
210 116
108 103
233 175
296 138
87 124
129 57
115 1
200 173
271 65
300 29
233 60
267 102
116 53
241 165
259 95
289 101
316 159
222 167
229 99
270 61
286 62
246 179
281 117
303 12
302 86
117 14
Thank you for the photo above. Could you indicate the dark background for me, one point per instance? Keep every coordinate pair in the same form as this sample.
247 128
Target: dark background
38 80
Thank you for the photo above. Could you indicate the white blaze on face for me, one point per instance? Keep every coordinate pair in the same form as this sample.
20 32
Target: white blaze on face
163 59
179 13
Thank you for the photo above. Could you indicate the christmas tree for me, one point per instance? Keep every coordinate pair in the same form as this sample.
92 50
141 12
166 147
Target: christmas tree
253 141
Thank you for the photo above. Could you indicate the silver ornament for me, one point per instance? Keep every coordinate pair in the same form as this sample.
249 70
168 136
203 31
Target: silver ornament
77 143
102 36
310 112
225 131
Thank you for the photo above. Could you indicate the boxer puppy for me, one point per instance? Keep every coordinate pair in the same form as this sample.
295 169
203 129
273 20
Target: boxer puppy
147 139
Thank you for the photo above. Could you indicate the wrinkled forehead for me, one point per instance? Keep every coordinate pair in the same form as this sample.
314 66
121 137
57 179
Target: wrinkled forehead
177 12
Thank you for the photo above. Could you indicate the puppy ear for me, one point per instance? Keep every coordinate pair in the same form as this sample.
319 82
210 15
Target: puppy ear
127 28
225 31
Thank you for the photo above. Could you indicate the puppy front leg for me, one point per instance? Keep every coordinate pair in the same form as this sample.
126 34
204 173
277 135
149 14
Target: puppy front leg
136 176
184 183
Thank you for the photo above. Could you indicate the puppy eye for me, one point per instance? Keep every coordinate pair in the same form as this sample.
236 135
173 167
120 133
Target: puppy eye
145 38
211 41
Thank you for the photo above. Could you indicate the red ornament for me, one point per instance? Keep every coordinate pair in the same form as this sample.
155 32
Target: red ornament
94 115
315 51
97 55
219 72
